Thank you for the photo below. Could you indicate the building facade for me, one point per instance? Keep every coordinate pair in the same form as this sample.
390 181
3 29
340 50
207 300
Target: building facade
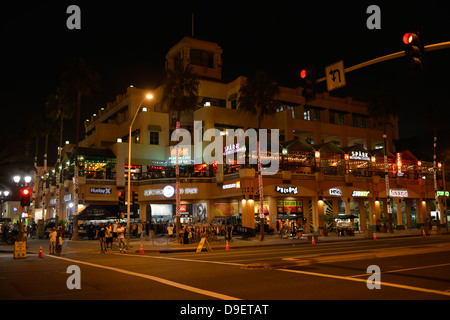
331 159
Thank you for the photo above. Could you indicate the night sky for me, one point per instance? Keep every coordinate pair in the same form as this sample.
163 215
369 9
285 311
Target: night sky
126 42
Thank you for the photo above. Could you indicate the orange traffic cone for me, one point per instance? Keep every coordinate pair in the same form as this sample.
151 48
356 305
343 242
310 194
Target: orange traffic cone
313 242
374 236
142 249
41 254
227 248
423 233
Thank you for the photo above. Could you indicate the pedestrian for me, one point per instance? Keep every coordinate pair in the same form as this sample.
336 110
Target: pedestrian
121 238
147 230
52 241
139 229
114 231
59 241
186 235
170 231
109 236
101 234
90 231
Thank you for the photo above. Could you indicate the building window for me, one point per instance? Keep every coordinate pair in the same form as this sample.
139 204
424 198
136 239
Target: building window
154 137
332 113
341 119
307 114
355 121
363 122
317 115
202 58
135 136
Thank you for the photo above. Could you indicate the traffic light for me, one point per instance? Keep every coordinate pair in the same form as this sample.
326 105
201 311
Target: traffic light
413 51
25 197
309 91
134 198
121 194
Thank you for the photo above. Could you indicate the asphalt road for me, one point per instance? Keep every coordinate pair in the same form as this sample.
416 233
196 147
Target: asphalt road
409 268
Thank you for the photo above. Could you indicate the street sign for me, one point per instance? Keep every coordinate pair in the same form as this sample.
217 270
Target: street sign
20 250
335 75
200 245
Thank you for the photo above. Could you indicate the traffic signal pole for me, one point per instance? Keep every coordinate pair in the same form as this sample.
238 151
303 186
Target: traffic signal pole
429 48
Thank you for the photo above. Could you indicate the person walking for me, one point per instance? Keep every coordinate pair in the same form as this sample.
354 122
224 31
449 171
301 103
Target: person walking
59 240
147 230
170 231
114 231
109 236
121 238
101 234
52 241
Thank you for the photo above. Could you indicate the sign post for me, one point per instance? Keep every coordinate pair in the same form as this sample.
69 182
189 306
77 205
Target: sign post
335 75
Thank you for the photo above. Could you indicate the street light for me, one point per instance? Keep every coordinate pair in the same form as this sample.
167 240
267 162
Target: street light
147 97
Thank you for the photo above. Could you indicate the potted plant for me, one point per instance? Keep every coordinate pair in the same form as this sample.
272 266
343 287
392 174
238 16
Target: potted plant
383 222
327 221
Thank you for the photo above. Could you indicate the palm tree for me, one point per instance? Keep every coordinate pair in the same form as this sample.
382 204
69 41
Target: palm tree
180 96
385 105
82 79
258 98
59 107
436 119
180 91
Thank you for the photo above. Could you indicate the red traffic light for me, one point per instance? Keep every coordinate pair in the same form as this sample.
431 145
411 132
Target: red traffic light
26 192
303 74
409 38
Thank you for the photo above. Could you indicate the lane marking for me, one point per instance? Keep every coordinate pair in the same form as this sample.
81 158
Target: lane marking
387 284
184 259
406 269
153 278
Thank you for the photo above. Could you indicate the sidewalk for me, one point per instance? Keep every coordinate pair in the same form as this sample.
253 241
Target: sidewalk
161 245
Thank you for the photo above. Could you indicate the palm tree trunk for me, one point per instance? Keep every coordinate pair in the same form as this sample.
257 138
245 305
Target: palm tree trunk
261 197
260 185
58 170
177 190
75 236
438 207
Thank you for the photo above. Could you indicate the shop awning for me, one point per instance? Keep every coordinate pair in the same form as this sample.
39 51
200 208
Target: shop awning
100 212
345 216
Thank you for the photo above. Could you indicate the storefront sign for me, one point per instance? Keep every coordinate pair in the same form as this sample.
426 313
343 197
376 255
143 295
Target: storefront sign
360 193
184 155
398 193
442 193
236 185
335 192
168 191
288 190
101 190
359 155
233 148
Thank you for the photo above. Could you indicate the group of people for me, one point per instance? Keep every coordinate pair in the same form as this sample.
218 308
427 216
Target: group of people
195 232
108 234
56 240
287 228
14 232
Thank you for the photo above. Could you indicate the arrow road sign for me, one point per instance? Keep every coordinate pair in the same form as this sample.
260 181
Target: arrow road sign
335 75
